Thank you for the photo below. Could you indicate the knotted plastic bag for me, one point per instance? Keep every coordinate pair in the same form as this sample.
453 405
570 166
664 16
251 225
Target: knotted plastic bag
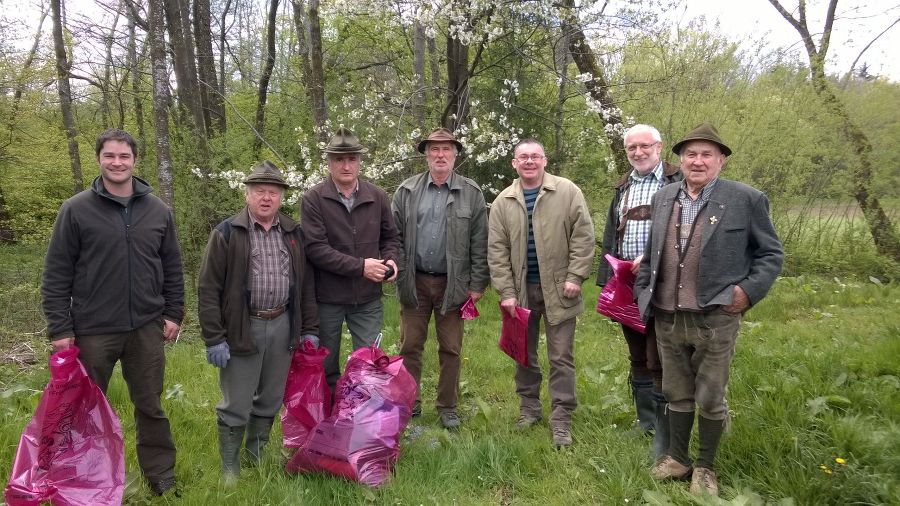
307 398
468 311
360 441
514 334
616 300
71 452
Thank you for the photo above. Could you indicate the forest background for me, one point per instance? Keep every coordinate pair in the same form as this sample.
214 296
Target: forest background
210 87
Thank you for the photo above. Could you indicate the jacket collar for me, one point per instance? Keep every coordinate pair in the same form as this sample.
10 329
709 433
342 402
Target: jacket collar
141 187
549 184
364 192
454 182
242 219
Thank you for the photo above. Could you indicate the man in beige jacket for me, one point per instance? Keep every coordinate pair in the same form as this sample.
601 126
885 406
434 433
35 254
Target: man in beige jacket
540 250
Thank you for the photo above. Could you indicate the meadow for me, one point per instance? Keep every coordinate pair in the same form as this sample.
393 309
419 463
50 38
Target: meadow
814 399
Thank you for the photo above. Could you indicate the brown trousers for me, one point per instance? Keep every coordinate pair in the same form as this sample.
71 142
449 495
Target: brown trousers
414 331
143 358
561 352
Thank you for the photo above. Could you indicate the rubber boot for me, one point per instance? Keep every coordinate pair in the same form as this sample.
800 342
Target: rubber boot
660 444
230 439
258 430
642 391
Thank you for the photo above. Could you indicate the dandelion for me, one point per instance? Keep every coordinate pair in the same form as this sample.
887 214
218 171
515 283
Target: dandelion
840 461
825 469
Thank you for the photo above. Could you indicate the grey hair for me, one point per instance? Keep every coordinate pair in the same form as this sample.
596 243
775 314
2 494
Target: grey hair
641 128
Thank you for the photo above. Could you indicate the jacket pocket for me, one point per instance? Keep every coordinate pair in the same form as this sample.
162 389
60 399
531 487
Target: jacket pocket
559 279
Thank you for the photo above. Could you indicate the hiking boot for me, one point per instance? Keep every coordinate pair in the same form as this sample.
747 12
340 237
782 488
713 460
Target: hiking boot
450 420
164 485
417 408
562 437
667 468
704 482
527 420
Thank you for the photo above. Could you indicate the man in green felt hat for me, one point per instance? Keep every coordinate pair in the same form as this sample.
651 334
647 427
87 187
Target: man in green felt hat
712 253
256 303
352 244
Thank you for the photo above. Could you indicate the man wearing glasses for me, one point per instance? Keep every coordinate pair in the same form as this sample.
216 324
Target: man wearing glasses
442 220
540 250
627 228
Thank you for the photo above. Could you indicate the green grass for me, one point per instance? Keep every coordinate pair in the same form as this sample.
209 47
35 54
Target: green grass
816 377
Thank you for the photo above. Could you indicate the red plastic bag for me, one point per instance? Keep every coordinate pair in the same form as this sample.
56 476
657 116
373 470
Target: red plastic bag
514 334
616 300
360 441
307 398
71 452
468 311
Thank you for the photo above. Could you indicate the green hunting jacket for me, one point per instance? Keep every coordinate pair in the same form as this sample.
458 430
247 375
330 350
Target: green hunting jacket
467 269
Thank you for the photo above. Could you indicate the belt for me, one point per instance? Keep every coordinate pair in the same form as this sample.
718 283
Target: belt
433 274
268 314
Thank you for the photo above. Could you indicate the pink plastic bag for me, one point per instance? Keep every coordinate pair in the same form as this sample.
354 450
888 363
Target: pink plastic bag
360 441
71 452
307 398
616 300
514 334
468 311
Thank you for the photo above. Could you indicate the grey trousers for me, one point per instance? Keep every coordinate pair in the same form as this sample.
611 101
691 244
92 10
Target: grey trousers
254 384
696 350
364 323
561 352
143 358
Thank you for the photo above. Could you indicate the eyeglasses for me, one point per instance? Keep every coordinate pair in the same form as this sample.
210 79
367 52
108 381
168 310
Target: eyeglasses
525 158
631 148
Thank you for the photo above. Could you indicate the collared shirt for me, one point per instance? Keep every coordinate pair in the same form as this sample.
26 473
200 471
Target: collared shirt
347 201
431 227
639 192
270 267
690 209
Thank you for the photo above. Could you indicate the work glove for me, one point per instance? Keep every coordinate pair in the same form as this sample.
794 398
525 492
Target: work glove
218 355
298 342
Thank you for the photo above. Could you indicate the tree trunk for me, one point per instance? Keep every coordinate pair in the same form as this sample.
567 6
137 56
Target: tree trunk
456 110
884 235
213 105
222 33
434 63
107 70
419 96
316 85
186 72
264 79
7 236
65 95
562 64
23 75
597 87
161 101
132 63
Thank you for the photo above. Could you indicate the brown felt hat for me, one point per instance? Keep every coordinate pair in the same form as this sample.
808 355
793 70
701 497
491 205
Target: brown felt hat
702 132
440 135
343 141
266 173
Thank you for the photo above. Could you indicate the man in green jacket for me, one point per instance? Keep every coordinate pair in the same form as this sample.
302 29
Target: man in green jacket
113 286
540 250
442 221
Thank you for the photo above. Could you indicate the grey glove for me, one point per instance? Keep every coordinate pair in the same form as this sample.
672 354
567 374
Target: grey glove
297 342
218 355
